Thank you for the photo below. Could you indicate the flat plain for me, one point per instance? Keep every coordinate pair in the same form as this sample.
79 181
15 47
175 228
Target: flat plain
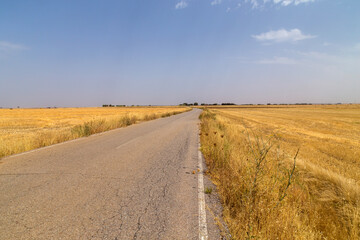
251 152
129 183
26 129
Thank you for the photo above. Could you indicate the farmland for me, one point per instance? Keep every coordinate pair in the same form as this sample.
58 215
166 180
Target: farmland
26 129
286 172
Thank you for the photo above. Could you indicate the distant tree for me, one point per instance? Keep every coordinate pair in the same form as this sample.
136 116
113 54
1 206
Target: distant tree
196 104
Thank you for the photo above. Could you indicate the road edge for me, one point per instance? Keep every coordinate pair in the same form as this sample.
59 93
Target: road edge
203 232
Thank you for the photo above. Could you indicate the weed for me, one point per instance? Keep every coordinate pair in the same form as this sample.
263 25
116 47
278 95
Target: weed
165 115
208 190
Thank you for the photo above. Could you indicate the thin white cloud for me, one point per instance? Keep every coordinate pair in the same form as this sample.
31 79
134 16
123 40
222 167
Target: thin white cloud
181 5
253 3
216 2
282 35
289 2
261 4
238 5
314 55
8 46
297 2
326 61
340 63
278 60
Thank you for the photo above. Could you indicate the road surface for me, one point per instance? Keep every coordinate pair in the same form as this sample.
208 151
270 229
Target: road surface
130 183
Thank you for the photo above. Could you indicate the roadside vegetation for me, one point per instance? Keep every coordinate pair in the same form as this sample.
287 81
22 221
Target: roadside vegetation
26 129
286 172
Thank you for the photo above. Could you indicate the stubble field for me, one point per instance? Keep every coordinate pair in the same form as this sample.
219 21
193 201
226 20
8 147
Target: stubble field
26 129
251 151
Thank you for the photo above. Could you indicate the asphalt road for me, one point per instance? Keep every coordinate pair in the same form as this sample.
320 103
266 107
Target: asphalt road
130 183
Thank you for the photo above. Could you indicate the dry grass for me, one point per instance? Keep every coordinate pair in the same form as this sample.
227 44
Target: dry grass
26 129
250 154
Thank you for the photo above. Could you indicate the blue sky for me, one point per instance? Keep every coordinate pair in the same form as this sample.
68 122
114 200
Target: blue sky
89 53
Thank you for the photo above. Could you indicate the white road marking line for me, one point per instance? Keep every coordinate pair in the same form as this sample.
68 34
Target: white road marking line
203 233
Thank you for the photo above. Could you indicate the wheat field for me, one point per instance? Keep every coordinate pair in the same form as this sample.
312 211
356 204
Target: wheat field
26 129
286 172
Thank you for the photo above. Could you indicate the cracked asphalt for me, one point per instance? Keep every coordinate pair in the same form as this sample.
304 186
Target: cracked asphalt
130 183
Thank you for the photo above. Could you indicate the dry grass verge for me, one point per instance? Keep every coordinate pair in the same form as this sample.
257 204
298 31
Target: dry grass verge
26 129
268 189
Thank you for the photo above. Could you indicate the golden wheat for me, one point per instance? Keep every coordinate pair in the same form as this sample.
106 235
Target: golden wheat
264 199
26 129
